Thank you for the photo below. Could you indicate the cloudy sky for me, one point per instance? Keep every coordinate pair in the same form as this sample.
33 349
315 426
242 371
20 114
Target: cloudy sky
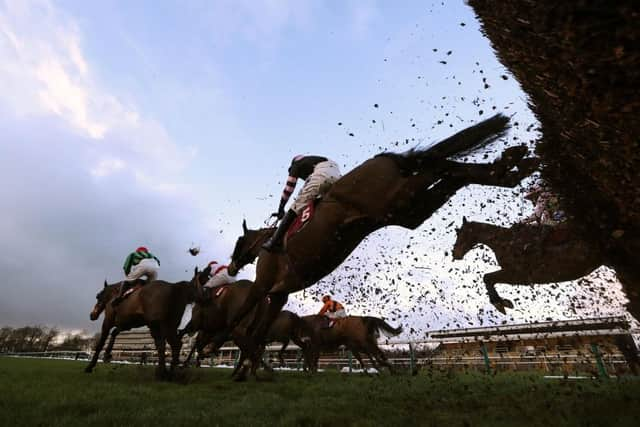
166 123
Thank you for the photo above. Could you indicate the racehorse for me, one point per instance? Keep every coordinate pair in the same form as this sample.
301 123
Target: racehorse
528 255
287 327
213 317
389 189
359 334
158 305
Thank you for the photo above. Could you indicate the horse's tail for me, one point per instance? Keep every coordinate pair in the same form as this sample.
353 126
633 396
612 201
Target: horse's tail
379 326
472 137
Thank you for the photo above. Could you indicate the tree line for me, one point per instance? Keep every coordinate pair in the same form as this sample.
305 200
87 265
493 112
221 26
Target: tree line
41 339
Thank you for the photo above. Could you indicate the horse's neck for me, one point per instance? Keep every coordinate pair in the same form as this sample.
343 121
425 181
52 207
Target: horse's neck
485 233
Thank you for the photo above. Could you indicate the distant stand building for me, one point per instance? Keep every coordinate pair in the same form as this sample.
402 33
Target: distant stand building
569 346
598 346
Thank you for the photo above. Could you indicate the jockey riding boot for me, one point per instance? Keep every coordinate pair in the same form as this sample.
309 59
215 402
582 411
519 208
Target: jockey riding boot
123 288
275 243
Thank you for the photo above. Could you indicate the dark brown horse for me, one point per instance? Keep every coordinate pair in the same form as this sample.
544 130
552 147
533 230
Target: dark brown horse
287 327
529 254
389 189
359 334
213 317
158 305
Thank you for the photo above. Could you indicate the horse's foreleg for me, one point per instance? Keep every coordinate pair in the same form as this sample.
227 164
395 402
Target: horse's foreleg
98 349
161 343
190 355
176 346
187 330
112 340
275 302
490 279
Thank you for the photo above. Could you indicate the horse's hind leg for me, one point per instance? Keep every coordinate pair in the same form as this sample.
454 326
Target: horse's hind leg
499 172
490 279
358 357
374 362
382 359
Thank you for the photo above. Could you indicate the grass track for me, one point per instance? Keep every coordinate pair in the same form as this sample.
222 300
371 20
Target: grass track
57 393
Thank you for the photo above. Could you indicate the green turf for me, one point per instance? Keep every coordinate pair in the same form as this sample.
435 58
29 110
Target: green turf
55 392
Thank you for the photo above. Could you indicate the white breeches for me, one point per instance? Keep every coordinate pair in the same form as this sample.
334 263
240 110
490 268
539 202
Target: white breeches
338 314
324 173
220 279
147 267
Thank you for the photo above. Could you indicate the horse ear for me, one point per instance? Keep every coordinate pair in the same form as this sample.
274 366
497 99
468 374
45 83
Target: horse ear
244 226
464 220
195 271
105 283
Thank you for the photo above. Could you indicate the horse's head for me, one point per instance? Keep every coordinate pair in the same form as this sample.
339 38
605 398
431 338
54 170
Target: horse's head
201 277
247 247
464 240
102 298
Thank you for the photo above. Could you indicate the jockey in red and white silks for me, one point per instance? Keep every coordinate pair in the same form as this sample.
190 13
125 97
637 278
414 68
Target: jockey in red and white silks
219 276
316 171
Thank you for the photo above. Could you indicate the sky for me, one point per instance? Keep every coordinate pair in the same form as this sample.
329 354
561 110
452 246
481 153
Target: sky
165 124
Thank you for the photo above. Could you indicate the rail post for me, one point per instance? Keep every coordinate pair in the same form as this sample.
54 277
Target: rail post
412 359
350 362
602 371
235 363
485 355
299 360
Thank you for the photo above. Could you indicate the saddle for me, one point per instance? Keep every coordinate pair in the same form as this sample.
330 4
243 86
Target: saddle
327 323
131 288
302 219
309 210
220 290
211 294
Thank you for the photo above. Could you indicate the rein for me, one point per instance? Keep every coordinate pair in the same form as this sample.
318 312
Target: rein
254 244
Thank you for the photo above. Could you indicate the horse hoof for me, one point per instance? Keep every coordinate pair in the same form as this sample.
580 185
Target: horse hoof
499 306
515 154
240 378
88 370
107 359
507 303
529 165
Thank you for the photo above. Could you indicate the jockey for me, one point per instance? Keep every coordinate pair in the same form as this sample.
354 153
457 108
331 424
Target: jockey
140 263
317 172
547 208
219 277
332 310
